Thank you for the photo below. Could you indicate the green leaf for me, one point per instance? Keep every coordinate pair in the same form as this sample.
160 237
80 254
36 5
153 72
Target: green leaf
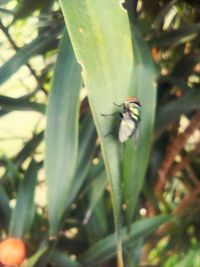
21 57
28 148
97 188
105 248
101 38
87 138
6 11
4 207
33 259
23 212
97 222
189 259
62 132
12 104
137 150
61 259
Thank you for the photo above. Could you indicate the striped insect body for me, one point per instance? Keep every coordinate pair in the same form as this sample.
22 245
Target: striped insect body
131 117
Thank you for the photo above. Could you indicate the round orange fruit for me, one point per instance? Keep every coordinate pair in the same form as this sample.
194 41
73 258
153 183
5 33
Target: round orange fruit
12 251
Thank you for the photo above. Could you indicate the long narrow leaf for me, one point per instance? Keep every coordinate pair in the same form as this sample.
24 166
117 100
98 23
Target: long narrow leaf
97 188
33 259
62 132
87 137
137 149
101 38
28 148
23 212
24 54
105 248
12 104
4 207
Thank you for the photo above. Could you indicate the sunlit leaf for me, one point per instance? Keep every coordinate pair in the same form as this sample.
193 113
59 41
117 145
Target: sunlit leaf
101 38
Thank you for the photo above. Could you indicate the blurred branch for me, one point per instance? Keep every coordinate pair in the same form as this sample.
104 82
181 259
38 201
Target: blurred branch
185 208
184 162
16 48
192 175
173 149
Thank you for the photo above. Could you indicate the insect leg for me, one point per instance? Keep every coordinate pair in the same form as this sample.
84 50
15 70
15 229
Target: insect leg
112 114
118 105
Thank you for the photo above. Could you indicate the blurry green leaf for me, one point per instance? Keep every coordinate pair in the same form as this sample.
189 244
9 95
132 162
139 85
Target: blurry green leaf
28 148
7 11
33 259
176 37
87 138
11 175
189 259
97 224
171 111
3 2
101 38
4 207
21 57
105 248
12 104
62 132
97 187
23 212
61 259
137 150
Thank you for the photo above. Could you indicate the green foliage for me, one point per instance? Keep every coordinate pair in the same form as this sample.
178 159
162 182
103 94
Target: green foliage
75 194
62 128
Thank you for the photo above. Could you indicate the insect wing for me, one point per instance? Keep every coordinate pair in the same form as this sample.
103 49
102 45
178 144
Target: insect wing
126 129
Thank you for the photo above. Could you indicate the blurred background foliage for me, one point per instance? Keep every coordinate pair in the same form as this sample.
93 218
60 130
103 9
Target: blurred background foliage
164 229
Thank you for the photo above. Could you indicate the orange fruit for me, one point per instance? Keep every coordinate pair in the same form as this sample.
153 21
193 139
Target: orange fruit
12 251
